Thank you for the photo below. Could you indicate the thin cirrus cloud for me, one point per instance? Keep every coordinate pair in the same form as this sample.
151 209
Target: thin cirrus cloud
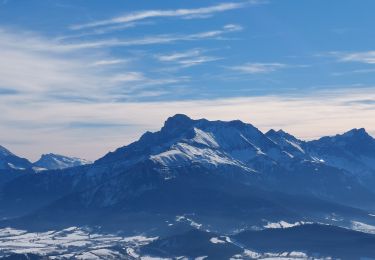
181 13
367 57
30 72
38 69
176 56
36 43
109 62
150 40
188 58
258 68
103 30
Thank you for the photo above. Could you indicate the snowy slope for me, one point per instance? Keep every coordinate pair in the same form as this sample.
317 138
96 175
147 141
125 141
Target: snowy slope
183 141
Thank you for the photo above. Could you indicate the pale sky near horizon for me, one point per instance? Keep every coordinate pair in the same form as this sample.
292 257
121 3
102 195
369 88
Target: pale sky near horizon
82 78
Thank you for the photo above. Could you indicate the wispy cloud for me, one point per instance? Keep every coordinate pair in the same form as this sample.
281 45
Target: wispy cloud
109 62
362 57
102 30
33 42
181 13
188 58
147 40
128 77
46 74
258 68
176 56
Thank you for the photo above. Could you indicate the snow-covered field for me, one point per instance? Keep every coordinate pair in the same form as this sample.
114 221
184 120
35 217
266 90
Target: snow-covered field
80 243
71 242
83 243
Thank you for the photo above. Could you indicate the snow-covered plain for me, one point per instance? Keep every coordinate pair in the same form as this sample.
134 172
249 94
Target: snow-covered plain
81 243
77 243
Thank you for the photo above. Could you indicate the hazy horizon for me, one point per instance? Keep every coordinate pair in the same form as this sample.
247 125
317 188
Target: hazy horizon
264 130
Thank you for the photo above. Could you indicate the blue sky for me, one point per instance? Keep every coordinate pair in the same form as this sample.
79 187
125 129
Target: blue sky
83 77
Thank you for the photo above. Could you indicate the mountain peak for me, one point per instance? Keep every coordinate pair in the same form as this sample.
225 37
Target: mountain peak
178 118
356 141
53 161
280 133
356 132
177 121
271 132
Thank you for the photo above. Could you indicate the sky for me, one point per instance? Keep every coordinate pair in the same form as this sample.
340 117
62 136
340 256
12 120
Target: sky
84 77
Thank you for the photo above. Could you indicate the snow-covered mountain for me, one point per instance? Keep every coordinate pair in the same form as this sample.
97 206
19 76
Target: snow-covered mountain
184 141
55 161
9 161
215 175
236 150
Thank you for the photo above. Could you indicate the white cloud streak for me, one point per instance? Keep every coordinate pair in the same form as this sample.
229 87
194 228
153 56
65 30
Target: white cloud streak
362 57
188 58
181 13
258 68
32 42
148 40
109 62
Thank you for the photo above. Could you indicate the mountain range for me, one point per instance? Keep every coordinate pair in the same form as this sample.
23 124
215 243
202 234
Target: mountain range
50 161
203 187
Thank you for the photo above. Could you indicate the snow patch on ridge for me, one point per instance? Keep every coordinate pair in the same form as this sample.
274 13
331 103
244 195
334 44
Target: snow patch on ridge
359 226
284 224
295 145
216 240
183 154
205 138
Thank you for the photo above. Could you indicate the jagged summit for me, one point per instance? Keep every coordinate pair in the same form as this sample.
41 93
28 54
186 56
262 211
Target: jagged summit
183 121
271 132
353 150
178 119
178 122
354 133
287 142
357 136
279 133
357 132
